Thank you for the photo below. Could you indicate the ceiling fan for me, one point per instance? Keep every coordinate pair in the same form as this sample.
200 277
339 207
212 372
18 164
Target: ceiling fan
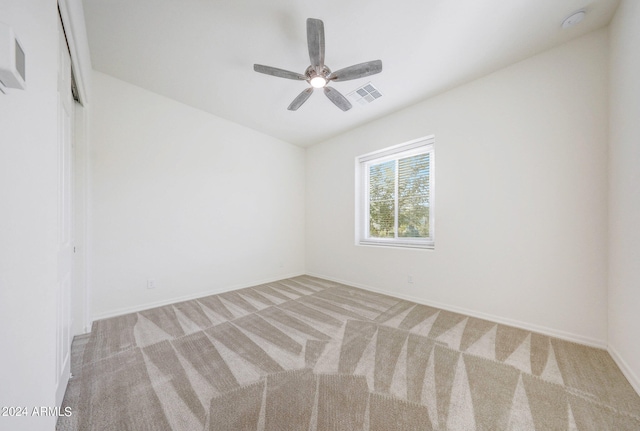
318 74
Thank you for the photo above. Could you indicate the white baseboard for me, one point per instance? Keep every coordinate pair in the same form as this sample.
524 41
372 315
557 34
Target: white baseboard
625 368
174 300
575 338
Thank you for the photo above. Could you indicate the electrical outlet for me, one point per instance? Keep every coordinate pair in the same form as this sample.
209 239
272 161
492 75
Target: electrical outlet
151 284
410 279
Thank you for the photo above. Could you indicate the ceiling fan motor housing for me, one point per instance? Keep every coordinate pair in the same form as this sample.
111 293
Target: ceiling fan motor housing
312 72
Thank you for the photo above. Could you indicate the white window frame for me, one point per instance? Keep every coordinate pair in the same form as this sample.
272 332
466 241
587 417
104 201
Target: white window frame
417 146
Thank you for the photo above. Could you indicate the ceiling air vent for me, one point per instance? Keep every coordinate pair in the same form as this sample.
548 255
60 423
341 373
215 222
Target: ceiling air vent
365 94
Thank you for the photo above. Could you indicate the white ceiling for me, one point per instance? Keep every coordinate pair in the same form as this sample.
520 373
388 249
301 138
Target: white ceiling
201 52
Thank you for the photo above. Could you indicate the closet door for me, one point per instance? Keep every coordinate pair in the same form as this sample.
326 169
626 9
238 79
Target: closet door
65 217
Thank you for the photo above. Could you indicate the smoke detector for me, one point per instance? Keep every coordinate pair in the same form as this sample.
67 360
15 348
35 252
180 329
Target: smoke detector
574 18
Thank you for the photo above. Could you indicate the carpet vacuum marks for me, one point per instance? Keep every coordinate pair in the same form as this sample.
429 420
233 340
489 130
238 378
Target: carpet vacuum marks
314 355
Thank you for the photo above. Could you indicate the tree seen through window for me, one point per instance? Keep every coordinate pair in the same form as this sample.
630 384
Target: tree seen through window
399 198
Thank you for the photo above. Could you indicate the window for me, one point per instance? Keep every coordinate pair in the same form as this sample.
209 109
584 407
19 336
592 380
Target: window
395 189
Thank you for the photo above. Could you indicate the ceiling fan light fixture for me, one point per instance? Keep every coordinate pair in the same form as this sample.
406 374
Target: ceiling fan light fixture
318 81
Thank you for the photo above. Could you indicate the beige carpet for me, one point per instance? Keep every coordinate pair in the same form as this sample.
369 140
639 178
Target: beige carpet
313 355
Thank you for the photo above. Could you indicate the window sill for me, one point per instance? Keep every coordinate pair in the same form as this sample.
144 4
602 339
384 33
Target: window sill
397 244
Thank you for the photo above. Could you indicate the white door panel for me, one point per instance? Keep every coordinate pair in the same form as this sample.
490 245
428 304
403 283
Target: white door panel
65 218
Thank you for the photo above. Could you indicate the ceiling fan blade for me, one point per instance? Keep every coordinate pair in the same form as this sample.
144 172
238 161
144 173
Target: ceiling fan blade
302 97
337 98
357 71
315 40
280 73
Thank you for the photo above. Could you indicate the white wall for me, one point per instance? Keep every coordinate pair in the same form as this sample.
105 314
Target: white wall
521 217
624 191
195 202
28 218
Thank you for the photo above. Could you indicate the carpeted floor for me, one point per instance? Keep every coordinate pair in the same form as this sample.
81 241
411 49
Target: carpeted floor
313 355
